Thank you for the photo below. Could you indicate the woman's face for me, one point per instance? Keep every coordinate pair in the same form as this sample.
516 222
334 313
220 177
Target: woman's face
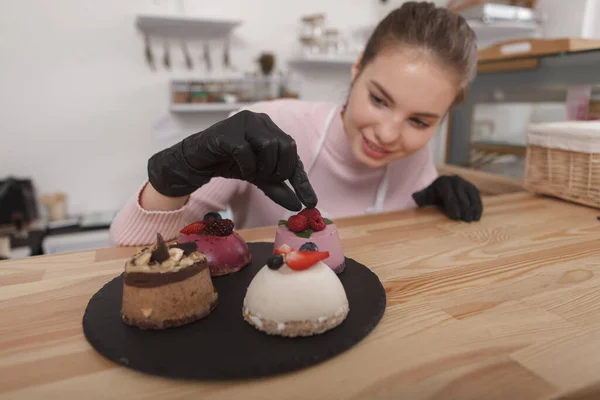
395 105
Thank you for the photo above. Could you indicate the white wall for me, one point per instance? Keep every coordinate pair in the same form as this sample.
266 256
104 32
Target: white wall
78 101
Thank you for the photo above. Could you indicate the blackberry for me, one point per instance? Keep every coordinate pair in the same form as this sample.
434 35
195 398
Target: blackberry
275 261
219 227
212 216
309 246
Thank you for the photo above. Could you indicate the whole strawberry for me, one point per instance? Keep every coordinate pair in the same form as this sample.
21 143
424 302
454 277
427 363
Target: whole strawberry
297 223
317 224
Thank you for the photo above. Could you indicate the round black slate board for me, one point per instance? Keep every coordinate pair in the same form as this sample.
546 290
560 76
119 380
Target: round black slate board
223 345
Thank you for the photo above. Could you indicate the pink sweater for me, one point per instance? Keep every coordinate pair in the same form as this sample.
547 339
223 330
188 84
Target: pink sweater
343 186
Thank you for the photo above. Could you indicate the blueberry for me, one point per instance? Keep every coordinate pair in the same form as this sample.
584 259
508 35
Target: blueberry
212 216
309 246
275 261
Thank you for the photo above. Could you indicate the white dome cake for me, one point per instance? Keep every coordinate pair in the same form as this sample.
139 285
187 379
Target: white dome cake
295 294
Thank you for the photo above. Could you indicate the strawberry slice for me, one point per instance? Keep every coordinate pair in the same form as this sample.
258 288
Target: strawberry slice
283 249
300 260
194 227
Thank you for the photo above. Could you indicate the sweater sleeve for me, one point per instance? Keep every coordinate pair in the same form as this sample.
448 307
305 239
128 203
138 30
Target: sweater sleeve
136 226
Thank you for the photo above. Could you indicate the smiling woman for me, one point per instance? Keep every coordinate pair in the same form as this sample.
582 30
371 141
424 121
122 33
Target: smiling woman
368 154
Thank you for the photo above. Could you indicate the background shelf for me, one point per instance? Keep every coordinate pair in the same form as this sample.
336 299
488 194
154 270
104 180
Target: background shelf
323 61
185 26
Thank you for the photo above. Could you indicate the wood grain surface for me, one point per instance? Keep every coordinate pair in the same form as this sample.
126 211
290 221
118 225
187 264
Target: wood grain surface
506 308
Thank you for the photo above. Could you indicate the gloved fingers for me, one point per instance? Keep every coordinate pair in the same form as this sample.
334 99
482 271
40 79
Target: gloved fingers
302 186
281 194
267 157
475 200
287 159
449 200
243 156
464 200
423 197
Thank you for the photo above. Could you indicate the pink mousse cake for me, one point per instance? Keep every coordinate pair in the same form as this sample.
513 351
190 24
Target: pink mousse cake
307 230
225 250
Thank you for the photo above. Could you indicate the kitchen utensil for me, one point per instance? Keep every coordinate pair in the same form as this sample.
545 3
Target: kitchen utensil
186 55
206 57
227 56
167 56
148 52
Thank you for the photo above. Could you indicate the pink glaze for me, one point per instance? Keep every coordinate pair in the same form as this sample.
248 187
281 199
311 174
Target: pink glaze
225 254
326 240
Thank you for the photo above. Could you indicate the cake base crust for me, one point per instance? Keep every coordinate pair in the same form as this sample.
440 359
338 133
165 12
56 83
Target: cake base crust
295 328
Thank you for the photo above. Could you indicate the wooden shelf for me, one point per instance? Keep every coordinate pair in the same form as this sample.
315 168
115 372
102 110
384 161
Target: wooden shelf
503 30
185 26
205 107
323 61
500 147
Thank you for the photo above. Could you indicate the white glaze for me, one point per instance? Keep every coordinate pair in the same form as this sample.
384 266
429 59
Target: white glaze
287 295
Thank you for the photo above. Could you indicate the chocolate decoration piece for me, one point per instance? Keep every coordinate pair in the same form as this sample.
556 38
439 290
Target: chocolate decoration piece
161 254
187 247
154 279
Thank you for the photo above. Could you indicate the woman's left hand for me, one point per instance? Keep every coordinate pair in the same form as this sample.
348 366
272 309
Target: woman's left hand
459 198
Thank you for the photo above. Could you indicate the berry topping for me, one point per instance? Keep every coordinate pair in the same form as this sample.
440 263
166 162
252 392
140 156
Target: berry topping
194 227
275 261
317 224
212 216
309 246
187 247
300 260
161 252
310 213
220 227
283 249
297 223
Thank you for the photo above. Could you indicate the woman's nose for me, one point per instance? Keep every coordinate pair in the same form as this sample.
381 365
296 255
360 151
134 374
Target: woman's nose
389 133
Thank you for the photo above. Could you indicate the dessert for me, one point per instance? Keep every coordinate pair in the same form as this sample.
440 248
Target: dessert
225 250
309 226
167 286
295 294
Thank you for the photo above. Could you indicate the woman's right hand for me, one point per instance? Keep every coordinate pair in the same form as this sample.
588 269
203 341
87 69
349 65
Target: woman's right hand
246 146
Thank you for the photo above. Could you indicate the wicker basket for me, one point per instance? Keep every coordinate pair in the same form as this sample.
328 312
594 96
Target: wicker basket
563 160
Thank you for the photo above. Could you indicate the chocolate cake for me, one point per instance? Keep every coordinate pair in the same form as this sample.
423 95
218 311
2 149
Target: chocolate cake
167 286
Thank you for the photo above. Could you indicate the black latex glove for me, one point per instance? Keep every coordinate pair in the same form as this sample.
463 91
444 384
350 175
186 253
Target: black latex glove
246 146
459 198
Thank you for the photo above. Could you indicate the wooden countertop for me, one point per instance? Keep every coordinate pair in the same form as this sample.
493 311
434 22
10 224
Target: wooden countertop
507 308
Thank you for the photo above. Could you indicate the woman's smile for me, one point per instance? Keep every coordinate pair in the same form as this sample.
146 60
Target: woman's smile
372 150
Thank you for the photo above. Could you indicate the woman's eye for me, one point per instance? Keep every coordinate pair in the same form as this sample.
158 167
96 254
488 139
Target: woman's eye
420 123
377 100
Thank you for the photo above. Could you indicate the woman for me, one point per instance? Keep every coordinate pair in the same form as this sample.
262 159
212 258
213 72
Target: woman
367 155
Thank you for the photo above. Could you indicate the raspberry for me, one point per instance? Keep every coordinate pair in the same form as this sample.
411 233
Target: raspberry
317 224
220 227
297 223
310 213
